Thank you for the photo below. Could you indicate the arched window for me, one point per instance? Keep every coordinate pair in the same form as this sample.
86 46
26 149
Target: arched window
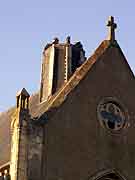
111 176
108 175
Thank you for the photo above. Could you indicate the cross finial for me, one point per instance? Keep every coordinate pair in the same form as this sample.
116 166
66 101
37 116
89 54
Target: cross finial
112 26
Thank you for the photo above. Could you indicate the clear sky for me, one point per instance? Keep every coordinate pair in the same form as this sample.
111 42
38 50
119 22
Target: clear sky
27 25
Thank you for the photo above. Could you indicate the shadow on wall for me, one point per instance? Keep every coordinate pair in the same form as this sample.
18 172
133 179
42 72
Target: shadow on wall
34 170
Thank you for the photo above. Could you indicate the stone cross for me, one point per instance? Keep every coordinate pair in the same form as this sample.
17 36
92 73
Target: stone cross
112 26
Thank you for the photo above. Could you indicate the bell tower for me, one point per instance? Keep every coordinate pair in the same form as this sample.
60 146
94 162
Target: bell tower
59 62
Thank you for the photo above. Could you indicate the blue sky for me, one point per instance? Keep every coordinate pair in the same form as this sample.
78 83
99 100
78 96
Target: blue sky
27 25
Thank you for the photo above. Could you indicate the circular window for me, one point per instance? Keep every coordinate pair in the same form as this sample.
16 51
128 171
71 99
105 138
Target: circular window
111 114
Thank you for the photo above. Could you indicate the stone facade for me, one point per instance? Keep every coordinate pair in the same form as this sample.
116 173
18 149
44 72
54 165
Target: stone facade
81 123
82 146
35 151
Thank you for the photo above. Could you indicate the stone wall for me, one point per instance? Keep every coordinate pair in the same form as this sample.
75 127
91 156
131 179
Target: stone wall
35 141
77 145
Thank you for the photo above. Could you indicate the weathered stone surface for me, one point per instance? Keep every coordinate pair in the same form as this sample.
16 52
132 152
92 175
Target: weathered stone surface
19 137
35 146
77 145
5 133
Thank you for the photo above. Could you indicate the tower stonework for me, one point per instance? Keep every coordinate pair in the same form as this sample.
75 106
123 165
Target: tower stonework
59 61
19 143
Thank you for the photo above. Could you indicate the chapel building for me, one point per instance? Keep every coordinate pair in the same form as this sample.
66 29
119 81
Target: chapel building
81 123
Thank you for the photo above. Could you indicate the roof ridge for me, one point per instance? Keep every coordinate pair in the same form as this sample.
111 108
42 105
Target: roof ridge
61 95
82 70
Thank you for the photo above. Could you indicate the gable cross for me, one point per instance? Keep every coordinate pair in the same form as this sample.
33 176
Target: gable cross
112 26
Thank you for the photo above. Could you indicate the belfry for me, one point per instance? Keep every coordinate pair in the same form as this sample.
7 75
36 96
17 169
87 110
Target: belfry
60 60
